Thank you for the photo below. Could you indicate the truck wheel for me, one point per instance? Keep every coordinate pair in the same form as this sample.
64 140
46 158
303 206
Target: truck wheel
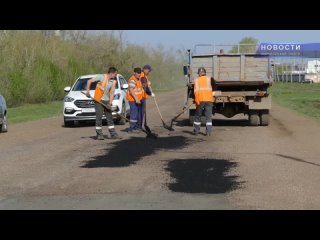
4 126
68 123
122 121
254 119
264 118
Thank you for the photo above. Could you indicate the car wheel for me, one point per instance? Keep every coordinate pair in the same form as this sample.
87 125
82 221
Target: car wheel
4 126
122 121
68 123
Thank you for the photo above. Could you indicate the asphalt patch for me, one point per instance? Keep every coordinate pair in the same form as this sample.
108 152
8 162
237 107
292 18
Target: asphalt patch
202 176
128 151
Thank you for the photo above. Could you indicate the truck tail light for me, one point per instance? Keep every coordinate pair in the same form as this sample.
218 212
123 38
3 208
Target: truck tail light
260 93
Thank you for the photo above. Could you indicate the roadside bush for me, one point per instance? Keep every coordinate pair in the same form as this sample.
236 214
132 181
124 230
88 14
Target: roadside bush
35 66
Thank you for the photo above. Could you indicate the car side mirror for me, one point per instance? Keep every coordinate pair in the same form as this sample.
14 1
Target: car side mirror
125 86
185 70
67 89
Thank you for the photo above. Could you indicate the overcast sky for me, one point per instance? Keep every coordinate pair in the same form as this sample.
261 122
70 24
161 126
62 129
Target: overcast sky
187 38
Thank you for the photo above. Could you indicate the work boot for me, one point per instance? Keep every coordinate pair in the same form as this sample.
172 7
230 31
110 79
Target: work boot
99 135
208 130
133 131
196 129
195 132
115 136
138 130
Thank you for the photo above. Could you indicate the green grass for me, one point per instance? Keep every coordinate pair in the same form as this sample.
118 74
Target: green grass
303 98
32 112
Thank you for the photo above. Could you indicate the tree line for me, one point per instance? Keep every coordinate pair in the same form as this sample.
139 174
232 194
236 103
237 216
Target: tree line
35 66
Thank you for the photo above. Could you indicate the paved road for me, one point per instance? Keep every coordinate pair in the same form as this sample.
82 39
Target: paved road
47 166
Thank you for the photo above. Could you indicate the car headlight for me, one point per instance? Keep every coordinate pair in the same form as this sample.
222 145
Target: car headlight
116 96
68 99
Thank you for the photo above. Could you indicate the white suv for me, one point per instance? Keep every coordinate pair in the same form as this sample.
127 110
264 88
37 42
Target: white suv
3 115
77 107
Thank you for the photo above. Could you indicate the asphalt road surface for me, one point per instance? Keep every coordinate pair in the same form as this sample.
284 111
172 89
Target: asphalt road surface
47 166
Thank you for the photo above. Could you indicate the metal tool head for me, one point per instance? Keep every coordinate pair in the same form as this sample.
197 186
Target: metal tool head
152 135
149 133
170 128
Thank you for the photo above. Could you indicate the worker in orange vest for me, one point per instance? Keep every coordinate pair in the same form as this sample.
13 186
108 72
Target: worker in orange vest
104 93
134 96
203 93
146 84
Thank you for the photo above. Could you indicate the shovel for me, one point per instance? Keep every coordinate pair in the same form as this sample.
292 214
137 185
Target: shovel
163 123
176 117
147 129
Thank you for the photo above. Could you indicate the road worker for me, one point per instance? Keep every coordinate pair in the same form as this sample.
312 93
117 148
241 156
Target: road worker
146 85
104 93
134 96
204 100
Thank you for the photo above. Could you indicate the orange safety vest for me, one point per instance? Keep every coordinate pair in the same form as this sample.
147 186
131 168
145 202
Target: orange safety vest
145 95
138 90
100 88
203 90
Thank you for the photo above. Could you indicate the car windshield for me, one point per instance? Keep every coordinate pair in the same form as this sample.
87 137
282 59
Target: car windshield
82 85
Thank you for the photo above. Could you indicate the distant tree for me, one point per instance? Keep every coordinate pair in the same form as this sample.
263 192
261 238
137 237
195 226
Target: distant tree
36 65
76 35
48 33
245 49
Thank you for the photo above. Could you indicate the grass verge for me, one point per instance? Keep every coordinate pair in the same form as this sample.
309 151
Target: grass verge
32 112
302 98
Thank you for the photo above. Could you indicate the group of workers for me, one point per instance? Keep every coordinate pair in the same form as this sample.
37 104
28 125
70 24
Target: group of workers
139 88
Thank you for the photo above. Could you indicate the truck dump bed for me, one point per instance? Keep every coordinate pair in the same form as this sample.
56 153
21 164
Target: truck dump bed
235 69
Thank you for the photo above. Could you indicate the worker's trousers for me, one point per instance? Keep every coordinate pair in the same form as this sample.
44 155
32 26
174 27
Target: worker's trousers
135 115
99 112
141 116
207 108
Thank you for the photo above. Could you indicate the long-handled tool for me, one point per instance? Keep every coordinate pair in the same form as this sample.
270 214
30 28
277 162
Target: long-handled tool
163 123
176 117
145 121
147 131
